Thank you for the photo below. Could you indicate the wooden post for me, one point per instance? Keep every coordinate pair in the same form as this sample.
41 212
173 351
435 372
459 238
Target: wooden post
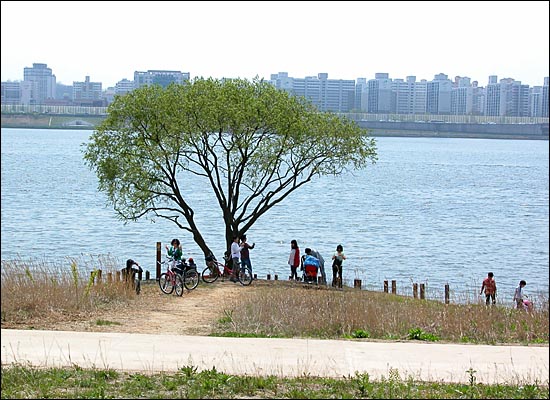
255 276
447 293
422 291
415 290
99 280
268 277
118 276
357 283
147 275
393 287
385 286
109 277
140 275
276 277
159 259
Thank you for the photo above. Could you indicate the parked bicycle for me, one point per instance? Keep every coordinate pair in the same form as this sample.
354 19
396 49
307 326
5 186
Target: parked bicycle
185 269
215 269
170 281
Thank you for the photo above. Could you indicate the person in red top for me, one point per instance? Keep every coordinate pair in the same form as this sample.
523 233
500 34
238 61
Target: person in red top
490 287
294 259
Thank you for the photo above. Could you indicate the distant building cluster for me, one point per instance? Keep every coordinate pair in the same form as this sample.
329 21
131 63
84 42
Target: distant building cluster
380 95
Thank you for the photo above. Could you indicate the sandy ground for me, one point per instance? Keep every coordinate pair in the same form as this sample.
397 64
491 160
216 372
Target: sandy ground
153 312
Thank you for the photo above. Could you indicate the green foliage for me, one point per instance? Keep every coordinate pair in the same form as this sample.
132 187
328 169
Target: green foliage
360 333
419 334
227 317
69 383
91 280
251 143
28 274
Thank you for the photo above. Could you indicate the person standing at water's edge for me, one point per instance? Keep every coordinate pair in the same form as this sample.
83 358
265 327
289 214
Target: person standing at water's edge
318 256
337 260
490 287
236 257
518 294
245 253
294 259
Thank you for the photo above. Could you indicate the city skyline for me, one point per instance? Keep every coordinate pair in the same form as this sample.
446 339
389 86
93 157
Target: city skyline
418 78
347 40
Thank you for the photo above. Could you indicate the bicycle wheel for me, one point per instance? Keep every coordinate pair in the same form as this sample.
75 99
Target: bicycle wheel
245 276
178 287
210 274
165 283
191 279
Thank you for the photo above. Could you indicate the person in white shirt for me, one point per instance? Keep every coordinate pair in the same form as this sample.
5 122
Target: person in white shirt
518 295
236 257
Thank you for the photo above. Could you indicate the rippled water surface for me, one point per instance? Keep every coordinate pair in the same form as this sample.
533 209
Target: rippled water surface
431 210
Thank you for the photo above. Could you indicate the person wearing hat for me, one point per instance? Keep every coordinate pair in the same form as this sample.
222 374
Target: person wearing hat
490 287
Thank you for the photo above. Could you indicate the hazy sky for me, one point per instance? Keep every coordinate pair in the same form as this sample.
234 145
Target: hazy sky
110 40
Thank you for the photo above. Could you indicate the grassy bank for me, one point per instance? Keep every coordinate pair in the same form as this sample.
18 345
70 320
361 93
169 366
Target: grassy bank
33 289
188 383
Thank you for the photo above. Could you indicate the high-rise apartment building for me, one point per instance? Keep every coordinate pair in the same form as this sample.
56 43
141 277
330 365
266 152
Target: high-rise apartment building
544 111
42 83
360 95
438 95
11 92
159 77
462 96
337 95
379 94
88 93
124 86
492 97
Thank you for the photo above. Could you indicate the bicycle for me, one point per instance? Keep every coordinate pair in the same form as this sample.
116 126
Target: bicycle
187 270
215 269
170 281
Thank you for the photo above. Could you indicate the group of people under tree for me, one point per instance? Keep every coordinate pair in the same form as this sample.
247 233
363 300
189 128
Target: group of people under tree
240 255
295 261
489 286
239 250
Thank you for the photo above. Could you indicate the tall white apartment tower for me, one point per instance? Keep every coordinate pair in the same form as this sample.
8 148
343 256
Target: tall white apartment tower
544 111
41 82
439 95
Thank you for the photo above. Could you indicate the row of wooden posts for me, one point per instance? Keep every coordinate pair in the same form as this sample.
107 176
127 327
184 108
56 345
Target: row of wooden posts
118 276
356 283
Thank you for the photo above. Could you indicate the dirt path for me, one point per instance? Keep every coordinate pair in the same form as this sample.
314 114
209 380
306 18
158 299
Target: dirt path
153 312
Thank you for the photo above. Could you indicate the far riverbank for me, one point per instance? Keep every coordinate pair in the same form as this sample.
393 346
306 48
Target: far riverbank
537 131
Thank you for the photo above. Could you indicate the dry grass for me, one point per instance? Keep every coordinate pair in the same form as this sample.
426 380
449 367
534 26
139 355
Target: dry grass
33 291
321 312
36 289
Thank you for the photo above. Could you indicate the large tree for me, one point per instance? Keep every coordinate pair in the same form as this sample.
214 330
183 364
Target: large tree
253 143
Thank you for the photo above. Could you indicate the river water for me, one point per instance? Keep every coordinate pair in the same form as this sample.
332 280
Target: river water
431 210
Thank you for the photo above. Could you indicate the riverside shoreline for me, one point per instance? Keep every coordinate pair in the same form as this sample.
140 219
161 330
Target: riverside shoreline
375 128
